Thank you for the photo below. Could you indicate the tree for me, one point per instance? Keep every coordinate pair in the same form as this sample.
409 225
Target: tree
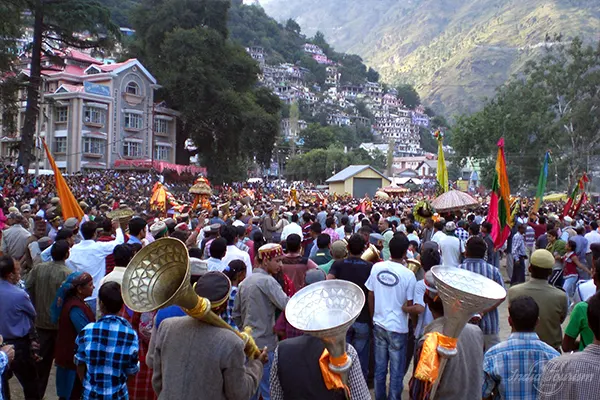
554 105
211 81
409 95
11 26
318 137
372 75
293 26
59 22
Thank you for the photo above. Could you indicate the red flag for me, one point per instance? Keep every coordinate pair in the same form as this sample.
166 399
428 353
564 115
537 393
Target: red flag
578 188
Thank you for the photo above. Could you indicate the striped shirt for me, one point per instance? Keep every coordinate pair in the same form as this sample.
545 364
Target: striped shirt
513 369
489 323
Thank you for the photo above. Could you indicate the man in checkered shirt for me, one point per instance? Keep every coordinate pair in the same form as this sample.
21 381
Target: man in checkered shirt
107 350
575 376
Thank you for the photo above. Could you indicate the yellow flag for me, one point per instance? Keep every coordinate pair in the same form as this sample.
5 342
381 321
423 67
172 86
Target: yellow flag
442 171
70 207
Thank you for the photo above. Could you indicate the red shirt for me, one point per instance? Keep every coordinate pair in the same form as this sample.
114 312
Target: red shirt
539 229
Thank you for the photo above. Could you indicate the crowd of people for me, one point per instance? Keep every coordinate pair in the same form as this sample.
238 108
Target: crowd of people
62 308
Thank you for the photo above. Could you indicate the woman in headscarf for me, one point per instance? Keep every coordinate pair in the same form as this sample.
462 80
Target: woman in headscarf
72 314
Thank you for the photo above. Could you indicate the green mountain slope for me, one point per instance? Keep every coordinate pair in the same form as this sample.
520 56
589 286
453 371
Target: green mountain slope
455 51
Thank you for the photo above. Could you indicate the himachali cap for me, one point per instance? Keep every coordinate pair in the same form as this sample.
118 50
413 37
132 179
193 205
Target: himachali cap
430 285
157 228
450 226
181 227
70 223
270 251
215 287
339 249
25 208
54 200
542 258
14 210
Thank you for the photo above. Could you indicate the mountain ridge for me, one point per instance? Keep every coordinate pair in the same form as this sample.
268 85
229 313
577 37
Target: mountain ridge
456 52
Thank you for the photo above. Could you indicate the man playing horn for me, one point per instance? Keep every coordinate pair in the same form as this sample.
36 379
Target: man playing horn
463 374
259 296
216 355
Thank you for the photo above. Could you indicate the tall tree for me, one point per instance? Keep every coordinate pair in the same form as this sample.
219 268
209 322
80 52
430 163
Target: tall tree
59 23
211 81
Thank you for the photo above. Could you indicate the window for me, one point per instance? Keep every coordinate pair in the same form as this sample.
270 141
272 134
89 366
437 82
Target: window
94 115
93 146
62 113
132 88
161 126
60 145
133 121
132 149
161 153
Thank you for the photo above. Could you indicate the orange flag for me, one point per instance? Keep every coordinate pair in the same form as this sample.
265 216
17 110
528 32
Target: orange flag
70 207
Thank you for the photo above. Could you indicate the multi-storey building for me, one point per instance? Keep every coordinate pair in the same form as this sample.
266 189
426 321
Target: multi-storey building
100 116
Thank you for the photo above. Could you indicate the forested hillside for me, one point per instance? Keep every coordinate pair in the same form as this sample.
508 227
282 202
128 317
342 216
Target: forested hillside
455 51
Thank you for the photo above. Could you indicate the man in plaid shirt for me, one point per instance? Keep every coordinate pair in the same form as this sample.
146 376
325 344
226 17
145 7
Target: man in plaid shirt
513 369
107 350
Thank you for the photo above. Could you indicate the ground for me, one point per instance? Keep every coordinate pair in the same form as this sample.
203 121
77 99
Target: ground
17 393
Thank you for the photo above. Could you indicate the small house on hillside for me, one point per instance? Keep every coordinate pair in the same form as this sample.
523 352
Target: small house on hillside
357 180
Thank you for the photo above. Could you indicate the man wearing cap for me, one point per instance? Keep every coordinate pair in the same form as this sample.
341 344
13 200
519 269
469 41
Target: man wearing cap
54 222
14 239
258 297
551 300
451 247
463 375
26 212
159 230
338 251
219 364
72 223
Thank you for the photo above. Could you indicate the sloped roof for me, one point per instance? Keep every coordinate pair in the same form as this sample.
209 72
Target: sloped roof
350 171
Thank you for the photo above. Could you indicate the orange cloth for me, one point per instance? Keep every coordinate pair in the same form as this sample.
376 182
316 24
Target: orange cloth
333 380
429 362
69 206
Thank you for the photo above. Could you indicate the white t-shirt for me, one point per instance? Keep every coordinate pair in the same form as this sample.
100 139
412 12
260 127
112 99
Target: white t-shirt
233 253
592 237
438 237
584 291
425 317
290 229
451 248
392 285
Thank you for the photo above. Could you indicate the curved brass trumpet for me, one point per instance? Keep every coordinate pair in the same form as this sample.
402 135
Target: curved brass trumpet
159 276
414 265
371 254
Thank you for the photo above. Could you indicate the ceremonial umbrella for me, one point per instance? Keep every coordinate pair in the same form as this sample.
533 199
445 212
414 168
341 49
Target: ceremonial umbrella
395 190
453 200
382 195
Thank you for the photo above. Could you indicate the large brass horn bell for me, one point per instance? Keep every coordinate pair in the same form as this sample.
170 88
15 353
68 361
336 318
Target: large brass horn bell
159 276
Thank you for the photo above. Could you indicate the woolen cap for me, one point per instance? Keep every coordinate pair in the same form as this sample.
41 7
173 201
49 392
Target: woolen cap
157 228
542 258
339 249
215 287
70 223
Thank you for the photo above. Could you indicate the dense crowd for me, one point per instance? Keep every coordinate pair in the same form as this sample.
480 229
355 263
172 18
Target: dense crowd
62 307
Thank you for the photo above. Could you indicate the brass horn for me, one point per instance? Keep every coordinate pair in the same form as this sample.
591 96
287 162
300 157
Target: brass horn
224 208
371 254
159 276
414 265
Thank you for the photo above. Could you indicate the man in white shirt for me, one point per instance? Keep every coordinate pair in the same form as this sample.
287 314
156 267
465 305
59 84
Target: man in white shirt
229 233
438 232
451 247
217 251
391 285
293 227
592 237
90 256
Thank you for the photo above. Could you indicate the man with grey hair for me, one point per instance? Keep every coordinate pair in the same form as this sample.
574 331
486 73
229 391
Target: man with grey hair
14 239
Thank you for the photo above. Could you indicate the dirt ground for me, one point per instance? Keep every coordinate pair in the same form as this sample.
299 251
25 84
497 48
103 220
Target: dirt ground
17 392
